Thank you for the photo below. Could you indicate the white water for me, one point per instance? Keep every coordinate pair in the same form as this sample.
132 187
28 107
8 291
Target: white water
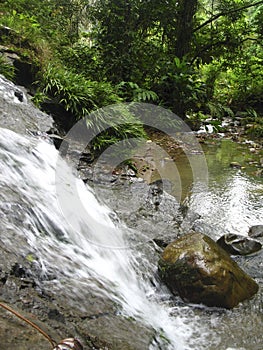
79 241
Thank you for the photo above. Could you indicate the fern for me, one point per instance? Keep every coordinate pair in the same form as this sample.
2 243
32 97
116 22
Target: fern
132 92
218 110
75 93
84 98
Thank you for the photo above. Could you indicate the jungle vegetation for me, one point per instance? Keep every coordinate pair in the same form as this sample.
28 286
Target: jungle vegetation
197 58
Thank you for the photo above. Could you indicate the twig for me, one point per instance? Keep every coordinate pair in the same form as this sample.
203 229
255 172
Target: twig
52 342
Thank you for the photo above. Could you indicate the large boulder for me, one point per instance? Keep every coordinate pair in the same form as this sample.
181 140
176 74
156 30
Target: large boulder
200 271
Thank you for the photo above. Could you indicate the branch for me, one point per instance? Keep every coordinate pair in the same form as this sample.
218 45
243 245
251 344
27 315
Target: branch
212 19
251 39
219 43
30 323
207 47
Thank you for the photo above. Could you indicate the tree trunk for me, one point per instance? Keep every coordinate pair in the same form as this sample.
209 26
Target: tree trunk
184 24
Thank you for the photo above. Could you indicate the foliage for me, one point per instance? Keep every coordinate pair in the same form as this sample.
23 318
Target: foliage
195 57
6 69
247 79
113 124
129 133
58 20
27 26
81 57
256 131
83 99
132 92
255 123
236 86
218 110
180 87
77 94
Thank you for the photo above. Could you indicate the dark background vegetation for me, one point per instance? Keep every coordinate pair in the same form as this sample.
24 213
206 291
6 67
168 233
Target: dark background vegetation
197 58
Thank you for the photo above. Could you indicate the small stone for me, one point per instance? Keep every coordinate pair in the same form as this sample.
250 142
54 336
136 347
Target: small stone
238 245
259 173
256 231
249 126
19 94
235 165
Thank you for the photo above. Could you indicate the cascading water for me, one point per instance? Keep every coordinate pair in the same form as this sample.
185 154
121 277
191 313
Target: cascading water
83 250
35 224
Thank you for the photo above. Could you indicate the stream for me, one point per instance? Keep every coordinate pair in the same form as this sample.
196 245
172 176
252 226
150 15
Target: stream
98 242
230 202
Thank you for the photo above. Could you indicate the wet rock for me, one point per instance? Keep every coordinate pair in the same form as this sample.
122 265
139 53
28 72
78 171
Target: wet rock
86 157
25 72
64 119
256 231
54 314
19 95
18 270
97 322
122 334
17 113
238 245
200 271
235 165
259 173
69 343
8 54
14 334
161 242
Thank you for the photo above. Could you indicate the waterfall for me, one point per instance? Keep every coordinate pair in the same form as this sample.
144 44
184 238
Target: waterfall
81 252
87 250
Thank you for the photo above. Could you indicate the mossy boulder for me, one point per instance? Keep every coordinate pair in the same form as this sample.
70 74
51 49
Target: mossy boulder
200 271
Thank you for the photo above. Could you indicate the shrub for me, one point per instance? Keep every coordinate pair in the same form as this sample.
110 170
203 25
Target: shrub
133 92
84 98
251 117
6 69
26 27
180 87
76 94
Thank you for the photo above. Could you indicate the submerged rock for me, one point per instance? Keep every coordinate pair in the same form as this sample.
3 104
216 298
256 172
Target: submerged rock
238 245
200 271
